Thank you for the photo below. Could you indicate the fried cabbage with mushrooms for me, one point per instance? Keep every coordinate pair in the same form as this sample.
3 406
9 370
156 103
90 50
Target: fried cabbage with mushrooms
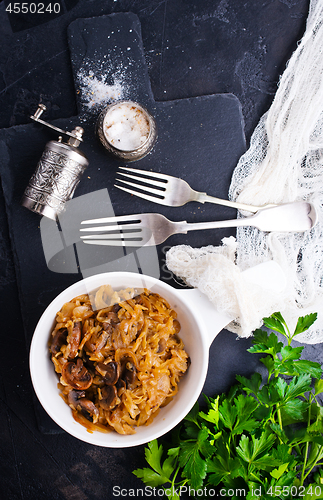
118 356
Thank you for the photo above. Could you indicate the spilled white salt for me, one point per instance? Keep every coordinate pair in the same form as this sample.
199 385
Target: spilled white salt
126 127
96 92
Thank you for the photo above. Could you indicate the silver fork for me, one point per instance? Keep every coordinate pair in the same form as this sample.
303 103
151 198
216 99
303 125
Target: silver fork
171 191
152 229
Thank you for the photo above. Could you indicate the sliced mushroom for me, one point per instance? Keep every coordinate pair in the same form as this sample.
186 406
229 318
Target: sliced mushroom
111 318
97 341
74 339
109 371
78 402
88 363
129 374
73 398
113 315
109 397
121 386
107 327
161 345
89 410
116 308
177 326
58 340
76 375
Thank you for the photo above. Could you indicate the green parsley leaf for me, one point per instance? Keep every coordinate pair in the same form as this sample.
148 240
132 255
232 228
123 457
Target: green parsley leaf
150 477
282 454
316 426
298 386
247 437
193 414
251 449
279 317
304 323
266 462
286 479
318 386
213 414
274 323
262 414
281 387
153 455
168 465
246 425
191 429
250 385
260 336
295 408
269 363
194 466
268 394
244 449
291 353
262 444
316 451
280 433
160 473
228 414
304 366
277 473
245 406
220 470
270 346
298 367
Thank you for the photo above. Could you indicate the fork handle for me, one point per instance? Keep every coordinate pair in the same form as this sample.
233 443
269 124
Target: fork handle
183 227
203 197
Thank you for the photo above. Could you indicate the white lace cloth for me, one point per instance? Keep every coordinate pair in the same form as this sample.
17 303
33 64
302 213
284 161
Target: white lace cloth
284 163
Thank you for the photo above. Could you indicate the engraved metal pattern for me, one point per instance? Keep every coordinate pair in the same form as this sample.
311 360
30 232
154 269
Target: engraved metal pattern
55 179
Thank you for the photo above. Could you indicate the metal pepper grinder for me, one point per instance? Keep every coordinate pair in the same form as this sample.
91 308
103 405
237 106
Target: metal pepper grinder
58 172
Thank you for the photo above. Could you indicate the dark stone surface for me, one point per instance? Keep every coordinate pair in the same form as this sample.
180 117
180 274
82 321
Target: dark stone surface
175 152
191 49
198 138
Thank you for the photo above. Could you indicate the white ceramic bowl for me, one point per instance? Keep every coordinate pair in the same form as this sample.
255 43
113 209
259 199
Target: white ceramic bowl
193 332
200 323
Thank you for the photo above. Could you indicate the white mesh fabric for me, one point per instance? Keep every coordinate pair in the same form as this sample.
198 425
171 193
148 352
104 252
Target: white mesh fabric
283 163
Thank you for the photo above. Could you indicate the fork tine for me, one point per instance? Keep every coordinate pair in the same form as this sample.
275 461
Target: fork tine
117 243
142 195
122 236
153 175
151 182
113 220
142 237
158 192
111 229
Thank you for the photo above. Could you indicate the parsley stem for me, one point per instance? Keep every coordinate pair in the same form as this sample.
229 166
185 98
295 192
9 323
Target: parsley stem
288 336
279 415
303 476
314 464
174 477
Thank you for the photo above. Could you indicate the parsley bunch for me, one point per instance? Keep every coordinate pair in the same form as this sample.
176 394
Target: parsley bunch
261 440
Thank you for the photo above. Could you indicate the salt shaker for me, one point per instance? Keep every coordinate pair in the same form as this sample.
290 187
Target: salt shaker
127 130
58 172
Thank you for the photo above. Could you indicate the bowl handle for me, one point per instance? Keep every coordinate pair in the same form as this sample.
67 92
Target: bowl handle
269 274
